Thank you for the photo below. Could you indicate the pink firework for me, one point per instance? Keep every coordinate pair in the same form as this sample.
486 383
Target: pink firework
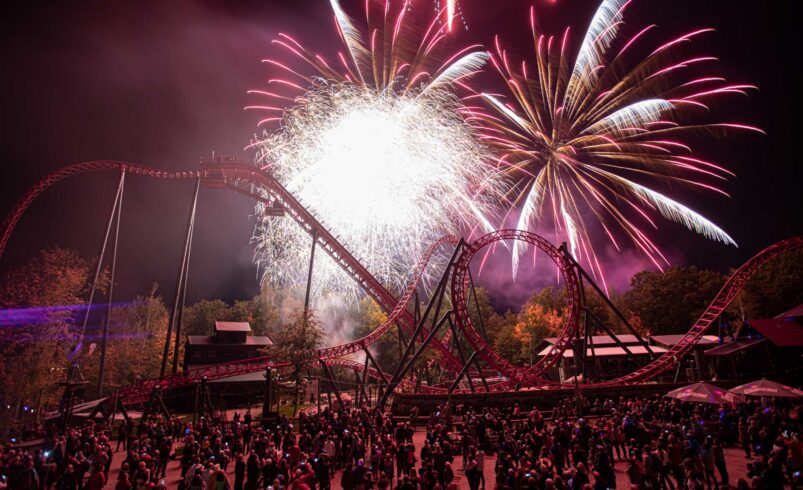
400 48
586 137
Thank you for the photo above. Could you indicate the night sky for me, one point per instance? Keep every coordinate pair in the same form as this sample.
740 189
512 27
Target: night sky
163 84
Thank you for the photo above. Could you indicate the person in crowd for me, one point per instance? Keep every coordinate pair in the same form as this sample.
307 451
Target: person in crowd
658 443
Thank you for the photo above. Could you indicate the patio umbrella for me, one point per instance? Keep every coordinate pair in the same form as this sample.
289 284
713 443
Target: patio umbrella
767 388
703 393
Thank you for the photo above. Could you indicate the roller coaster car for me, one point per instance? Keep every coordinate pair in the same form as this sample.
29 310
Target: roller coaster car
273 209
213 173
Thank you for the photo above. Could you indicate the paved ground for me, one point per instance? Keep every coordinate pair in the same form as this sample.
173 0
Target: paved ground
735 460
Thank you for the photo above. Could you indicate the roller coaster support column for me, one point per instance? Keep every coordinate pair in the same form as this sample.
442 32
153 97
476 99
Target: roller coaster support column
580 346
360 395
401 339
309 273
357 400
400 331
266 405
333 382
370 357
180 287
435 300
462 373
589 315
459 347
112 216
155 401
477 306
366 399
118 405
385 379
584 277
185 281
448 408
406 369
318 393
203 399
473 358
73 357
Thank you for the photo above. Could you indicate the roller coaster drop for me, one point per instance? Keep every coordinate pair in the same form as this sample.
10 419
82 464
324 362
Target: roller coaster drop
416 325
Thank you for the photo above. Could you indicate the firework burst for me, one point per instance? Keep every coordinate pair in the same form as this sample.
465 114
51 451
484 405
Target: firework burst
586 139
377 149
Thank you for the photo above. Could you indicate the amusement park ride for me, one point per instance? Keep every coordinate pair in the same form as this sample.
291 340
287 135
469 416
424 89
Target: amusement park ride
463 350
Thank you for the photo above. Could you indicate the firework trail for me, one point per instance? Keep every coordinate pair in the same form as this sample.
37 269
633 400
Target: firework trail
586 139
375 146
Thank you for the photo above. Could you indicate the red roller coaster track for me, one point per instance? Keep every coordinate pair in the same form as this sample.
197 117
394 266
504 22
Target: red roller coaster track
257 184
243 179
529 376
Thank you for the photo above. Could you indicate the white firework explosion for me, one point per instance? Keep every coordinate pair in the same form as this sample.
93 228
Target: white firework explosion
388 173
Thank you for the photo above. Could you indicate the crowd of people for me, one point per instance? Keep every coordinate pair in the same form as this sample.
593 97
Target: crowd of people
663 443
657 442
74 459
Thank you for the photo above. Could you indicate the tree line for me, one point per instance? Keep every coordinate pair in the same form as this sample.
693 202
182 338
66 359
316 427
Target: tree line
41 318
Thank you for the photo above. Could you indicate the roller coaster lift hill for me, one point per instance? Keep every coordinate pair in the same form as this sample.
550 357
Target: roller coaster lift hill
463 350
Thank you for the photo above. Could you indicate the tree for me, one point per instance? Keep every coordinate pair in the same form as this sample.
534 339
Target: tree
263 316
496 323
42 300
272 307
200 318
134 350
550 298
670 302
297 343
536 323
776 288
485 315
386 349
506 343
264 312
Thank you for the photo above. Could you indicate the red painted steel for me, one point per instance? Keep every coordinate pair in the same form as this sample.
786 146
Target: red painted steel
243 179
253 182
525 376
724 297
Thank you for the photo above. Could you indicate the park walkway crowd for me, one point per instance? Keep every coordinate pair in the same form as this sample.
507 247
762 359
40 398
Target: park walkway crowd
662 442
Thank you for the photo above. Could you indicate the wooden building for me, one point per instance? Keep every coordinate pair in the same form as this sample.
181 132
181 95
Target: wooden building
232 341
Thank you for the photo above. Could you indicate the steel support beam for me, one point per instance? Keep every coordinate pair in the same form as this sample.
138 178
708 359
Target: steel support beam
477 306
416 307
607 330
364 381
482 376
406 369
370 357
331 376
436 299
309 272
77 348
460 352
179 282
185 281
462 373
266 405
583 274
106 324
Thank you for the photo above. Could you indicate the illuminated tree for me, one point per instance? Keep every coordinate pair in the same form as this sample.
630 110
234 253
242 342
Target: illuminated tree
776 288
670 302
42 300
297 343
